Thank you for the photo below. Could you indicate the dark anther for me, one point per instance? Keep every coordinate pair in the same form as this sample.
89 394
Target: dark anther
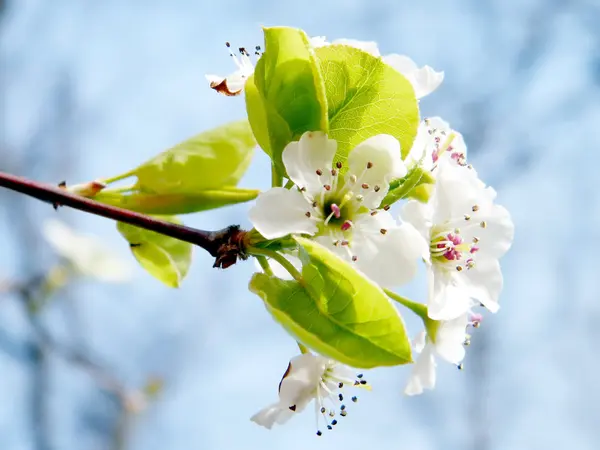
338 165
363 382
133 245
334 422
293 408
340 385
319 433
355 399
341 397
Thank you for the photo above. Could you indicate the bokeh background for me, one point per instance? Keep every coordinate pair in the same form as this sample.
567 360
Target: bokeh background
91 89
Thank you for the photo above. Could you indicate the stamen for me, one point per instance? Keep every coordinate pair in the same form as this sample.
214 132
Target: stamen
307 214
333 172
293 408
314 204
340 385
460 366
336 210
386 207
319 172
334 422
346 225
467 217
475 208
383 231
369 165
343 413
364 186
475 240
319 433
353 178
341 397
355 399
459 268
338 165
373 213
327 187
376 188
354 258
483 224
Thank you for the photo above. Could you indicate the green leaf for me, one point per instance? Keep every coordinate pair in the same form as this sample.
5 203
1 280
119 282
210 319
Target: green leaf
336 311
149 203
210 160
416 184
165 258
286 96
365 98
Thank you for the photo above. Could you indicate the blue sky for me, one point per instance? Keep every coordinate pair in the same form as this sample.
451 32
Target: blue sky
522 84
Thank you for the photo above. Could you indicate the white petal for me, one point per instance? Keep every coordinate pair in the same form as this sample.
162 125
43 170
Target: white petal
231 85
318 41
389 259
420 341
425 80
366 46
279 212
419 216
274 413
448 298
314 151
484 282
383 152
499 233
423 373
450 338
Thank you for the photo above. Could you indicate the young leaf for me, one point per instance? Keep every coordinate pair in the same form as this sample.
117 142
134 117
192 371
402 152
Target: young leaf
149 203
416 184
210 160
165 258
286 96
366 97
336 311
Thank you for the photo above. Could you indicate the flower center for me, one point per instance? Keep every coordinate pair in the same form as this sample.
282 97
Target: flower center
450 247
329 393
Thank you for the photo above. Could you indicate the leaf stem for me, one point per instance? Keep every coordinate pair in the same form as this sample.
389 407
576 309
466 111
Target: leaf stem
119 177
279 258
418 308
276 178
265 265
225 245
302 348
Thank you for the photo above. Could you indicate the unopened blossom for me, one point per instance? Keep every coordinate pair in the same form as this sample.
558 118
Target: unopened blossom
436 142
424 79
85 253
233 84
467 233
343 212
447 341
312 378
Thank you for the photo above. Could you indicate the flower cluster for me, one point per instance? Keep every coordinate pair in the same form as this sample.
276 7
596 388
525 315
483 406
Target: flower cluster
456 233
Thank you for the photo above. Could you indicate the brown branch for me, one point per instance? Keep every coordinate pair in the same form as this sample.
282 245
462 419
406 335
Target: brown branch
225 245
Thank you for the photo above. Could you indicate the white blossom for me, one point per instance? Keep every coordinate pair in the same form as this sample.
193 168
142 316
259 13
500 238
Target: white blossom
343 212
233 84
86 254
467 234
311 378
447 342
436 142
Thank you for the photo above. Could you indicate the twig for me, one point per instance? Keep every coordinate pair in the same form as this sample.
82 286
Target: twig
225 245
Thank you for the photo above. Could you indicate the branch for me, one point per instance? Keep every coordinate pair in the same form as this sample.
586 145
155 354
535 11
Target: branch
224 245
